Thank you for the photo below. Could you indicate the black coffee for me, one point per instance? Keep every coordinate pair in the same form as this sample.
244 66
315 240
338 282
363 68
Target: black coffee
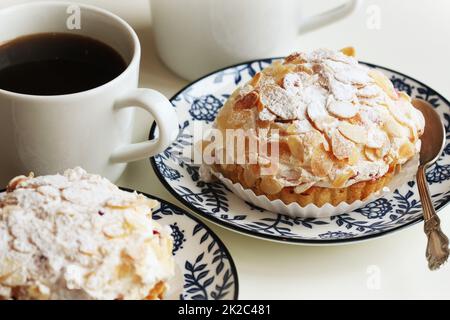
57 63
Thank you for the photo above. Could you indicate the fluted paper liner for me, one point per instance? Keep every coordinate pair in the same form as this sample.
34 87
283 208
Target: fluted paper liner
407 173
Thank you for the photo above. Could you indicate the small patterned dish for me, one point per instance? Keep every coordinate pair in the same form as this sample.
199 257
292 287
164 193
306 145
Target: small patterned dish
200 101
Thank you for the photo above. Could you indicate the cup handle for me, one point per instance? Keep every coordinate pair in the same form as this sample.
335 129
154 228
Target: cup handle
327 17
165 117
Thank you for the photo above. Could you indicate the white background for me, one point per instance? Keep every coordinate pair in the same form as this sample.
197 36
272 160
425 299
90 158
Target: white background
414 38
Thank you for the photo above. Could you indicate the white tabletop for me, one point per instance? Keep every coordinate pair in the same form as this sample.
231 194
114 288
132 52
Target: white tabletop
414 39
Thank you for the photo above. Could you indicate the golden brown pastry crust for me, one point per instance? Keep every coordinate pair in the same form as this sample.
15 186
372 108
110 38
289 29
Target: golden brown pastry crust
314 195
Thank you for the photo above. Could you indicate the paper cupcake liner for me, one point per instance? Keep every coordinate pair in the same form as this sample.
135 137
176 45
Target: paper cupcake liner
407 173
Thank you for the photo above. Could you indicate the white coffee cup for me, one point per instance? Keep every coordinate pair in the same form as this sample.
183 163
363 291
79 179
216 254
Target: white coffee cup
93 128
196 37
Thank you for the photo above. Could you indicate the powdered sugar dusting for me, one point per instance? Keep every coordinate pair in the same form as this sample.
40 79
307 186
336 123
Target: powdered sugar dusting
77 236
339 109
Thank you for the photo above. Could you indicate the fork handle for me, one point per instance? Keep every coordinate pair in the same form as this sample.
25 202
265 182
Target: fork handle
437 247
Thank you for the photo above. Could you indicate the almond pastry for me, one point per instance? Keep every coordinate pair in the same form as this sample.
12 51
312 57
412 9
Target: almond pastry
342 125
78 236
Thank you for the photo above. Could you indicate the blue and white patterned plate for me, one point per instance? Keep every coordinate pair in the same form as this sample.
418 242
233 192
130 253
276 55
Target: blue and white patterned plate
204 267
201 100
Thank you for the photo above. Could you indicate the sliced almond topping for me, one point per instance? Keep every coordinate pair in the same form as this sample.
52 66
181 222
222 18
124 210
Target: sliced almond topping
300 126
271 69
114 230
270 185
303 68
292 82
402 112
266 115
320 54
354 132
265 80
263 161
259 106
342 179
301 108
14 183
135 221
291 129
247 88
281 72
317 68
323 82
313 80
303 187
384 83
419 121
342 57
405 113
278 101
372 115
354 158
292 57
296 147
111 203
321 163
342 147
270 168
319 115
341 91
371 154
356 77
295 57
8 266
407 150
341 109
22 245
87 248
325 144
277 68
255 80
403 95
370 91
250 100
349 51
376 138
384 150
373 102
291 177
347 73
393 128
14 279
